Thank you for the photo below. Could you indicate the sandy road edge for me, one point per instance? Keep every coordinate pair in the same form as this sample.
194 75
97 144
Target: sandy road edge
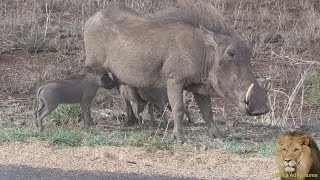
180 162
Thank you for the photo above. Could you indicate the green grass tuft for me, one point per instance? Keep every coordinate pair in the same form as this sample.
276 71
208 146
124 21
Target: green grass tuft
95 137
76 136
63 136
159 144
16 134
66 112
102 137
138 139
239 148
267 149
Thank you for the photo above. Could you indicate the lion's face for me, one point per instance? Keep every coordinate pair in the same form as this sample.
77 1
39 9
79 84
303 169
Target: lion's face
291 153
292 150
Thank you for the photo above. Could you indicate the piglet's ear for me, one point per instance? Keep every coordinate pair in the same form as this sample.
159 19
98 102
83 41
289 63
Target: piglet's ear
268 84
89 69
110 75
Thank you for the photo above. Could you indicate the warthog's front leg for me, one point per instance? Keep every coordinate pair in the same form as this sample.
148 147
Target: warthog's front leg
85 113
175 95
42 112
204 104
39 118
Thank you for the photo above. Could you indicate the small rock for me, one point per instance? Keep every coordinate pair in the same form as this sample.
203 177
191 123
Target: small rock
131 162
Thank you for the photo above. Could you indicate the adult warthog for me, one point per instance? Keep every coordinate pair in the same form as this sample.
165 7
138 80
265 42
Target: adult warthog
189 48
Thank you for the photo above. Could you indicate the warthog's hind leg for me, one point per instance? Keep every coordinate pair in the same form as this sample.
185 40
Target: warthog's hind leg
39 111
46 110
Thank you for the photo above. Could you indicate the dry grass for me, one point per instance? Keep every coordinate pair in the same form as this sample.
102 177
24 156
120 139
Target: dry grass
49 33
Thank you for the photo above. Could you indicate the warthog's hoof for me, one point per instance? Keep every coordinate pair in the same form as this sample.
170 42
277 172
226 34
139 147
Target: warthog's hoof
40 128
215 133
178 141
132 122
178 136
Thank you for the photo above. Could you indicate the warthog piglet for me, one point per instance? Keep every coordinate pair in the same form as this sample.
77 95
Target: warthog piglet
80 88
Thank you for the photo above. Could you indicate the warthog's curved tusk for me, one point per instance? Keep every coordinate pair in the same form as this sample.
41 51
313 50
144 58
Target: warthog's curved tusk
249 93
267 85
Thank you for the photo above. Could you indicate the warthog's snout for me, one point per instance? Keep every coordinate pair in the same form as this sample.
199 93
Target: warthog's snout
259 112
256 100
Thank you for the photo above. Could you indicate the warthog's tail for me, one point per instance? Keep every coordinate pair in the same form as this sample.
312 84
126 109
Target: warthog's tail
40 104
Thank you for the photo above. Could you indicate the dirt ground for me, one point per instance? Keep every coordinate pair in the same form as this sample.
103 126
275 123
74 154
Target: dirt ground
210 164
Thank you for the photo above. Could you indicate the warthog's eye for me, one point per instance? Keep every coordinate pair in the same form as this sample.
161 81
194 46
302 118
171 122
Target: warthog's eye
296 150
284 149
231 53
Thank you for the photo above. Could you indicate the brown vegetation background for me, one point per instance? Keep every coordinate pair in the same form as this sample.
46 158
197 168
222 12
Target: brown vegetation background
41 40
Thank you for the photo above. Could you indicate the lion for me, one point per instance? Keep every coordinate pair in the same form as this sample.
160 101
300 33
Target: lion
298 156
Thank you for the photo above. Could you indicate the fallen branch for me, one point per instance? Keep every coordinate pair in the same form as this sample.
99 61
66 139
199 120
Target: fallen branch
297 61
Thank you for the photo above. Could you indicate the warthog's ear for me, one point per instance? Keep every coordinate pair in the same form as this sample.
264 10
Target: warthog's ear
209 37
108 81
265 83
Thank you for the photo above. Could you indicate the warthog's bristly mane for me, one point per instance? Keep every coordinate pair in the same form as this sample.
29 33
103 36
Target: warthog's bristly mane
193 12
198 13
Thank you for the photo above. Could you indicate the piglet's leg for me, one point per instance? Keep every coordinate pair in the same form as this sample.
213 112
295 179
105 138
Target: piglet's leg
85 112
